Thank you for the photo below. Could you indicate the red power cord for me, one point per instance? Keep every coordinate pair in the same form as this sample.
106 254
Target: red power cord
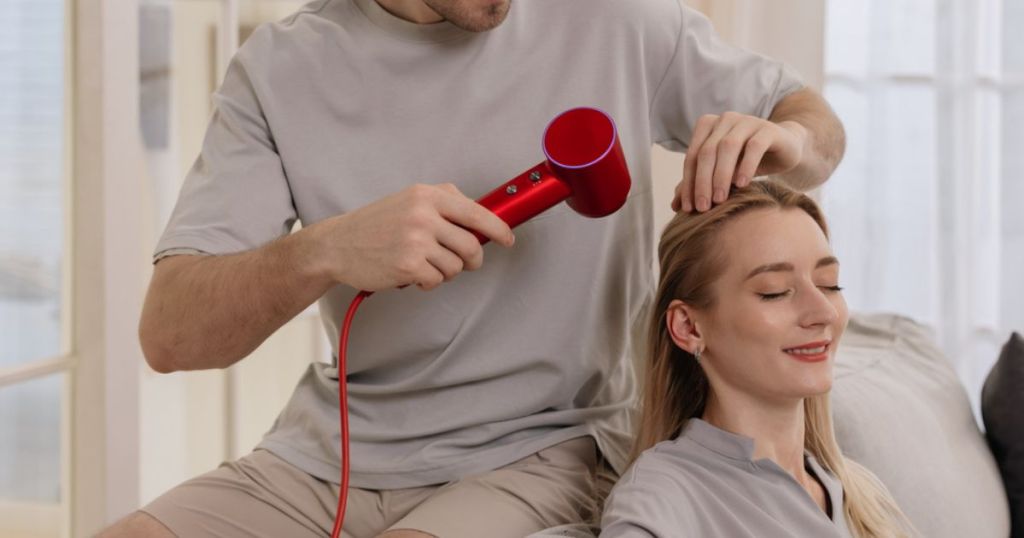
339 517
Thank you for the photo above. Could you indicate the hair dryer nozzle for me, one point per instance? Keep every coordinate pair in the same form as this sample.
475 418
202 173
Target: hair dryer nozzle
582 148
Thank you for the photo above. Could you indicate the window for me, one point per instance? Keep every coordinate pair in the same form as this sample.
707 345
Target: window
33 314
924 206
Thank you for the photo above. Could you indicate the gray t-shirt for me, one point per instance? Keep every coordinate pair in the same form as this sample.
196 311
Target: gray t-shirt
342 104
706 483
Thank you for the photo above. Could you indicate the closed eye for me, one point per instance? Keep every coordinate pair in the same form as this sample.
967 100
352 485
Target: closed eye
781 294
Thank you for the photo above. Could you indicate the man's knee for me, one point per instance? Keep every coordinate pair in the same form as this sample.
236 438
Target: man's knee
137 524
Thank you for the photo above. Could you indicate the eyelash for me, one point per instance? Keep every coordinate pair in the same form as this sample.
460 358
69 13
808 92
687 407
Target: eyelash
773 296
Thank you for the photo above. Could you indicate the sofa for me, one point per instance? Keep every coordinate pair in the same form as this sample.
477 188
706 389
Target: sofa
900 410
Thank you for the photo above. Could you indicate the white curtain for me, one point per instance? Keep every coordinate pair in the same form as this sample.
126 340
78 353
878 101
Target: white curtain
927 208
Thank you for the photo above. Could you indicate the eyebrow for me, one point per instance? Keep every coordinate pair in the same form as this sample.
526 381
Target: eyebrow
785 266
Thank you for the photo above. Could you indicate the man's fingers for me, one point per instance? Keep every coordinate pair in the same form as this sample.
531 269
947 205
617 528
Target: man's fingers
460 210
684 192
445 261
681 200
461 242
753 153
729 150
445 220
707 156
428 276
449 187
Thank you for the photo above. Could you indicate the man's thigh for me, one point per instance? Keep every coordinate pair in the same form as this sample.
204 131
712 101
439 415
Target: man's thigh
553 487
261 495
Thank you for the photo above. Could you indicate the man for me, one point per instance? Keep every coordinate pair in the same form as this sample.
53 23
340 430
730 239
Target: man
485 406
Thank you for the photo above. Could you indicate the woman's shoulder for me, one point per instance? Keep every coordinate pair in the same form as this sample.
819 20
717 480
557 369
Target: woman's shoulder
659 494
682 457
673 467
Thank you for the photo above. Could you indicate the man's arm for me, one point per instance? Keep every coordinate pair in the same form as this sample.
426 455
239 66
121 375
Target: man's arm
802 142
211 311
824 143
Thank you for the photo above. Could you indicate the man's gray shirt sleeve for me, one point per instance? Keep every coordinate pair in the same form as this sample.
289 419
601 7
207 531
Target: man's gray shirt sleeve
709 76
236 196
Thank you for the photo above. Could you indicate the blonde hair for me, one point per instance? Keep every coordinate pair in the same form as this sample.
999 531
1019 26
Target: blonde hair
676 388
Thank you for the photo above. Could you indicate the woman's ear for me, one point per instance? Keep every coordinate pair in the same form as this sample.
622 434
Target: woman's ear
682 327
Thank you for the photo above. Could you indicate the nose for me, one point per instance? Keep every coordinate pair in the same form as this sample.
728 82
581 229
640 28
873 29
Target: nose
816 308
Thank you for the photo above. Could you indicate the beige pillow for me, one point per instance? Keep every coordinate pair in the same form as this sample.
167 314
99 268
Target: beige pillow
900 410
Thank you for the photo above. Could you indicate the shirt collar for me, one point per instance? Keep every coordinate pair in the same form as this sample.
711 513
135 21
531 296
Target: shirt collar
730 445
739 447
833 488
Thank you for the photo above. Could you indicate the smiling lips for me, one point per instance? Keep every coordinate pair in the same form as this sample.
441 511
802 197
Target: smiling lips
811 352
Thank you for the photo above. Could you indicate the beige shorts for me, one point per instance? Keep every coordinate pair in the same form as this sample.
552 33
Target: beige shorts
261 495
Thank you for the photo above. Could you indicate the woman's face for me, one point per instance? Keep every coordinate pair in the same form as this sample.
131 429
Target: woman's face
777 314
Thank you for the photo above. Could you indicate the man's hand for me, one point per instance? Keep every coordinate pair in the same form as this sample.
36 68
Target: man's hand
416 236
733 149
210 311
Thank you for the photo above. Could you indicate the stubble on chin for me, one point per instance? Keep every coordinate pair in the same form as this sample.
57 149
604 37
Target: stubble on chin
473 19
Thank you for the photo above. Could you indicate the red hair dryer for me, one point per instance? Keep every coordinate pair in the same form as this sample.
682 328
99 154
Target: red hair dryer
584 166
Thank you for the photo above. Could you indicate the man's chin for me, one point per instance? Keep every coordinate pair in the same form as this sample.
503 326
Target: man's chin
474 18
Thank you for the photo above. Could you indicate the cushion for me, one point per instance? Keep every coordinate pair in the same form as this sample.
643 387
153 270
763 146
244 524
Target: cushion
1002 409
900 410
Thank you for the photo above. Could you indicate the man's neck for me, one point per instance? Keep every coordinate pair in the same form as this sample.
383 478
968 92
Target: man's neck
411 10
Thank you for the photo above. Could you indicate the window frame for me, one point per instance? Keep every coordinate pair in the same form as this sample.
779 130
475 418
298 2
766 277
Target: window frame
107 280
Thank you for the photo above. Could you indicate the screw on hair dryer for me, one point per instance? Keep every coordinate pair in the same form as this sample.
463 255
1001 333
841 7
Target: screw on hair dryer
584 166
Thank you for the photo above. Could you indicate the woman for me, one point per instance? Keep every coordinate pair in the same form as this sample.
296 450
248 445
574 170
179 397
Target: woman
736 434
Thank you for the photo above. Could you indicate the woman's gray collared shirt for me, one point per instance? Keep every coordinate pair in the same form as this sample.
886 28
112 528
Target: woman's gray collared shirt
706 483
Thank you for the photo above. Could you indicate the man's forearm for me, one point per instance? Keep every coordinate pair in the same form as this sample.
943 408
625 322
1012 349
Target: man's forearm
211 311
825 142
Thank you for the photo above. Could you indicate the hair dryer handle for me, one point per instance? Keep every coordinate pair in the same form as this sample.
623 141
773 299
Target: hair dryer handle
524 196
